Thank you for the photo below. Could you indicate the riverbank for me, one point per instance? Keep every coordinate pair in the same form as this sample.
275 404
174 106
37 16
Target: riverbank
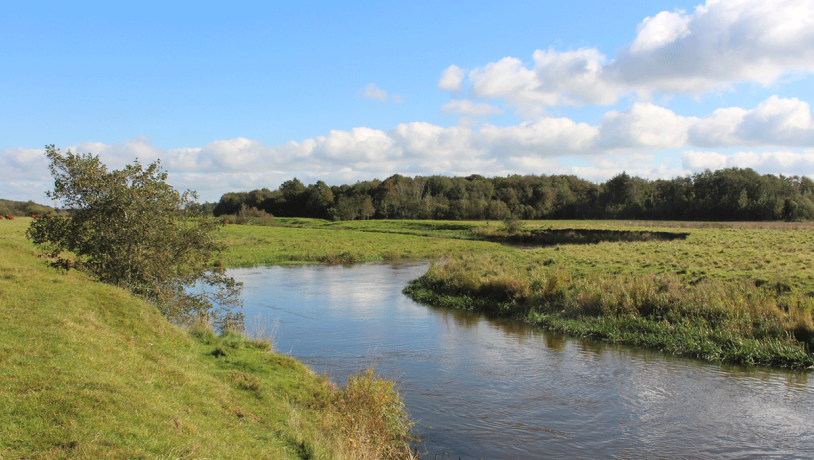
733 292
741 295
89 371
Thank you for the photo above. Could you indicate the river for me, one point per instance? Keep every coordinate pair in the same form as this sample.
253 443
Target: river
480 388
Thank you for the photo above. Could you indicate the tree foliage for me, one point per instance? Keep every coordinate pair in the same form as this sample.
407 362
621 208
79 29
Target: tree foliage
726 194
130 228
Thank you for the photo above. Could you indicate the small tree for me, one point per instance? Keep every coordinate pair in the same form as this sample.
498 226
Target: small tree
128 228
512 224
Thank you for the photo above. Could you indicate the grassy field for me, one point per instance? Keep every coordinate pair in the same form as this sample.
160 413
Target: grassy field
739 292
318 241
768 252
88 371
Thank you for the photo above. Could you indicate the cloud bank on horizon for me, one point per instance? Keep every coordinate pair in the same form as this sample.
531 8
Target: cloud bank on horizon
721 47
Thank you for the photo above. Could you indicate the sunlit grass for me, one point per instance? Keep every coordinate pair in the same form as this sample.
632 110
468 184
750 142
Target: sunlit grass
316 241
735 291
89 371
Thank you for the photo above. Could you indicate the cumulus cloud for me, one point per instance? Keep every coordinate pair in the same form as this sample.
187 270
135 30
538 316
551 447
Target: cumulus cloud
533 146
599 169
776 121
24 164
720 44
452 79
468 108
660 30
371 91
544 137
779 162
643 126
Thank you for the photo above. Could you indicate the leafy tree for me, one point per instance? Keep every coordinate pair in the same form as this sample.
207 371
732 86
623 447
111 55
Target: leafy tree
127 228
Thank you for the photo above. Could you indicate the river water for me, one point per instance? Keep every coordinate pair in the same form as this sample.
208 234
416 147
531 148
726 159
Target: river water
480 388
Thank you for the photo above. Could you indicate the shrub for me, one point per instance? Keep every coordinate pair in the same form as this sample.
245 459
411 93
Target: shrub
127 228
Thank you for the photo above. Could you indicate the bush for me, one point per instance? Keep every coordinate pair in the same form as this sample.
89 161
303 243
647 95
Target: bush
127 228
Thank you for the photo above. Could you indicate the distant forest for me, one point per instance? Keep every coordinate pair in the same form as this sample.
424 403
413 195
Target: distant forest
23 208
725 195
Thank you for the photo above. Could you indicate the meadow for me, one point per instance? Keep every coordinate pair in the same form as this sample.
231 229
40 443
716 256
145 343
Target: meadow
294 240
89 371
736 292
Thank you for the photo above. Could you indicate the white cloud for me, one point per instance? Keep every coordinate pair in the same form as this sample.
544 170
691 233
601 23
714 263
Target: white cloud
699 161
779 162
424 148
510 80
775 121
643 126
371 91
20 164
544 137
599 169
660 30
720 44
468 108
116 156
364 145
451 79
556 78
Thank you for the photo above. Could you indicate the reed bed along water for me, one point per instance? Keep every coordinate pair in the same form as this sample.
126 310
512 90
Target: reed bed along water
745 321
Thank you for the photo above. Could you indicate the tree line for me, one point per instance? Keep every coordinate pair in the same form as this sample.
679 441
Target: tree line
731 194
23 208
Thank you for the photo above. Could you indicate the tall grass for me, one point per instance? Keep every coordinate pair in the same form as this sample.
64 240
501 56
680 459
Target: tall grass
736 320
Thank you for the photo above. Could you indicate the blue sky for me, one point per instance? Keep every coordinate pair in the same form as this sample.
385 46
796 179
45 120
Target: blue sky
246 95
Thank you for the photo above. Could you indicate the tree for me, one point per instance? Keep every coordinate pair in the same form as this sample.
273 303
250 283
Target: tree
127 228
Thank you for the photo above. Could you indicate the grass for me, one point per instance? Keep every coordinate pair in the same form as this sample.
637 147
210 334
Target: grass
741 294
766 252
318 241
738 292
89 371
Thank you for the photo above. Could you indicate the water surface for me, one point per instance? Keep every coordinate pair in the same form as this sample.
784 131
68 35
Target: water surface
480 388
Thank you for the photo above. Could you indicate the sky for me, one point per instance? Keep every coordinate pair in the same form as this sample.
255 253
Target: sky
242 95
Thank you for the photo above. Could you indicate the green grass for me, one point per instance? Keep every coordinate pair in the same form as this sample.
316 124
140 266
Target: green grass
733 294
318 241
739 292
89 371
768 252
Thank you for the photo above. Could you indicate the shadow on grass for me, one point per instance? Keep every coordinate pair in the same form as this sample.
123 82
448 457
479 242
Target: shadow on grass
553 237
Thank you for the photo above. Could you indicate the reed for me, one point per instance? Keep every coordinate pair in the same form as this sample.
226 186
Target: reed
737 320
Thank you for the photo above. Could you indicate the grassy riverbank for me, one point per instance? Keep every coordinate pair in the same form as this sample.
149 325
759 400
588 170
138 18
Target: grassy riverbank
741 293
737 292
89 371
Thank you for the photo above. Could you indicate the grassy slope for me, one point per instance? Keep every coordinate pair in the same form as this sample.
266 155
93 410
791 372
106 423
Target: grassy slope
88 371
